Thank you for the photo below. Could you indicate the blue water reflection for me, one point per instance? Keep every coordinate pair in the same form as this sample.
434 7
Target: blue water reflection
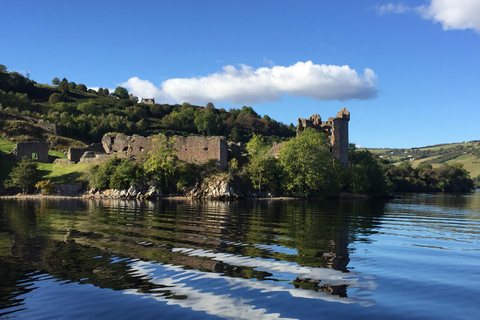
411 258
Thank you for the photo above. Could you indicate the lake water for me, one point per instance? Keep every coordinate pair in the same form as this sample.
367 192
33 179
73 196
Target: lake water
417 257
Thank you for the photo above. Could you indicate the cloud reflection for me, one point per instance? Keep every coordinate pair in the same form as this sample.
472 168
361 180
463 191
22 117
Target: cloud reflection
219 299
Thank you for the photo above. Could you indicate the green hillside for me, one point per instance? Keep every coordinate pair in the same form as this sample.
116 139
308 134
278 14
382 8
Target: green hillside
466 153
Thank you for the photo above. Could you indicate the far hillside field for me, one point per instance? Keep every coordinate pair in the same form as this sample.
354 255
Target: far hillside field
466 153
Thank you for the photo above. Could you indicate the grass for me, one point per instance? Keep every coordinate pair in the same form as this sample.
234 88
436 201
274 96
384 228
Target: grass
6 146
63 173
470 162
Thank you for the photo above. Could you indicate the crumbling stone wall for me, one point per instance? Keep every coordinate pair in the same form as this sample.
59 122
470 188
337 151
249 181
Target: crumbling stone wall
94 157
29 148
189 149
127 146
201 149
336 130
74 154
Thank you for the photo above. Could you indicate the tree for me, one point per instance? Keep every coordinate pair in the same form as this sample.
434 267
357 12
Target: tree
208 122
161 164
307 165
24 175
72 85
121 93
63 86
366 175
56 81
81 87
55 98
101 174
261 167
89 107
124 176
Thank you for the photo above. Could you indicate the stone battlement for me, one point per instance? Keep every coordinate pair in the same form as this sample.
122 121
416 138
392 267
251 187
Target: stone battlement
336 130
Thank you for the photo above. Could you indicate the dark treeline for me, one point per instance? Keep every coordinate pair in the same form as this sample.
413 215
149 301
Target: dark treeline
88 114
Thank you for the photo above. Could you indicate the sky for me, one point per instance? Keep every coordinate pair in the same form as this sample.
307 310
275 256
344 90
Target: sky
408 71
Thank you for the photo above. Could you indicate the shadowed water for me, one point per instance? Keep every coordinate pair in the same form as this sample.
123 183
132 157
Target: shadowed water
411 258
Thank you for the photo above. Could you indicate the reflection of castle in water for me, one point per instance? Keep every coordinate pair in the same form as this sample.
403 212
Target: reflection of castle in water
207 236
248 241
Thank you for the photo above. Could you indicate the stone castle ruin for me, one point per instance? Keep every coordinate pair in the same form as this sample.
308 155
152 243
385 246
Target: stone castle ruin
30 150
336 130
192 149
197 150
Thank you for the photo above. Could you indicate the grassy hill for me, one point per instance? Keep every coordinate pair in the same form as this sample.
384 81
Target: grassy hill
466 153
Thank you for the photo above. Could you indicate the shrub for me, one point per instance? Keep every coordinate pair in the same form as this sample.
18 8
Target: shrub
46 186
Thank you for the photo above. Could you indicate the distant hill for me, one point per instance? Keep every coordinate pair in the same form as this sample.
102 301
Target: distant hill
466 153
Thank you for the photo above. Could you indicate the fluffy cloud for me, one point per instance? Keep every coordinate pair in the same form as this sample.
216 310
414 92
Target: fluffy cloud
452 14
248 86
145 89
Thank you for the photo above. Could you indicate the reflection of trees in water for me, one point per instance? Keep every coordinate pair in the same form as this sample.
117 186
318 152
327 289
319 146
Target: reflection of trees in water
314 234
454 201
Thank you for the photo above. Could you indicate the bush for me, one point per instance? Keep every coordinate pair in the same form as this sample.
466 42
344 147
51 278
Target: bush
55 98
46 186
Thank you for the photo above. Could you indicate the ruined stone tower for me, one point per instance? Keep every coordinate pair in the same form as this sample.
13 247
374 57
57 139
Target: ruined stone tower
335 128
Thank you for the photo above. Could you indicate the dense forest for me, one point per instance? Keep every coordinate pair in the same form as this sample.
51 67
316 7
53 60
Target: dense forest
304 167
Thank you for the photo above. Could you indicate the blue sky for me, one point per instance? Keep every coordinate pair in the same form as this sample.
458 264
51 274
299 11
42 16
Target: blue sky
409 71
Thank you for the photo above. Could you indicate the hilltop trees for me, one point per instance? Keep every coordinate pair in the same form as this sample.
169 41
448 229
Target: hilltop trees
121 93
63 86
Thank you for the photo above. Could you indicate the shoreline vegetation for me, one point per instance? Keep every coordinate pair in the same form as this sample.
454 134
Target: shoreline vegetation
67 114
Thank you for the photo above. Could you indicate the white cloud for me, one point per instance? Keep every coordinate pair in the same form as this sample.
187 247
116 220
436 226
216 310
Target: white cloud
248 86
452 14
393 8
145 89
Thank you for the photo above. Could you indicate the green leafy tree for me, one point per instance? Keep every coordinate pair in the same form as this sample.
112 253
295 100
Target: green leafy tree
25 174
162 161
124 176
307 165
208 122
121 93
72 85
454 178
81 87
366 175
101 174
56 81
55 98
89 107
261 167
63 86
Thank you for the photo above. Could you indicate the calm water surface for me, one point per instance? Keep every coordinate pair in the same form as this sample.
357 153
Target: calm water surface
417 257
